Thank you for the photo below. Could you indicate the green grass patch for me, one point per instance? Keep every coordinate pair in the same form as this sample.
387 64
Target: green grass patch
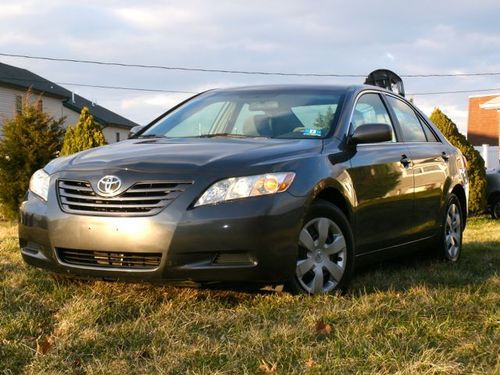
408 316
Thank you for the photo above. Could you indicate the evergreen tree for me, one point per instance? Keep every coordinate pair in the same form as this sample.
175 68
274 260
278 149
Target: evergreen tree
87 133
323 121
475 163
29 141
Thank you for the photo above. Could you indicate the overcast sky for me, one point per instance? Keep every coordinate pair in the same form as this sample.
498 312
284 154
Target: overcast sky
266 35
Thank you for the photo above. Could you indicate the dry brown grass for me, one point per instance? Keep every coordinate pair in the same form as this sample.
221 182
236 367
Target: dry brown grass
405 317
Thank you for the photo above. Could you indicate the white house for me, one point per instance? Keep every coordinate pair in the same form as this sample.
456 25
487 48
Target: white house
56 101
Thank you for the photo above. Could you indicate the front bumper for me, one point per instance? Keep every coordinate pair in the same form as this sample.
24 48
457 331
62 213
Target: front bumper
252 239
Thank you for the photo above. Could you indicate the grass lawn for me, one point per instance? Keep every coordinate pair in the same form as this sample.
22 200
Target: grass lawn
407 317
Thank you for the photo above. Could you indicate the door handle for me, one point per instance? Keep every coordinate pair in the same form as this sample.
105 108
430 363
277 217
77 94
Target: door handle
405 161
445 156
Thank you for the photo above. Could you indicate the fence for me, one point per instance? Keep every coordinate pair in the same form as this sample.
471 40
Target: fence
491 156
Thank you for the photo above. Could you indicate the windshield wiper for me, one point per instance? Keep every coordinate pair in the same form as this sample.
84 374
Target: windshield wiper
231 135
151 136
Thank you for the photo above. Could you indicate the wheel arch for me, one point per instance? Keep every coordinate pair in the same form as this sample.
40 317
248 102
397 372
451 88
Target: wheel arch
335 196
459 191
492 196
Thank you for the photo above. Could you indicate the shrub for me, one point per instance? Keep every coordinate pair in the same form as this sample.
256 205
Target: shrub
475 163
29 141
85 134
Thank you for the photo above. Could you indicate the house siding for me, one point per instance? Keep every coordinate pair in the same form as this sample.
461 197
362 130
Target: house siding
53 107
110 133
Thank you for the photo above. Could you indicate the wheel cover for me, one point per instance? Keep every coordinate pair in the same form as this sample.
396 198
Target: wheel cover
322 256
453 231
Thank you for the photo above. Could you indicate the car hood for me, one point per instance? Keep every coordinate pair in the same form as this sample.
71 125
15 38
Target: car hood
189 155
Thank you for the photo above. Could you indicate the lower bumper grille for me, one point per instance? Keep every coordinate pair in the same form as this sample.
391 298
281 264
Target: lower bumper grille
106 259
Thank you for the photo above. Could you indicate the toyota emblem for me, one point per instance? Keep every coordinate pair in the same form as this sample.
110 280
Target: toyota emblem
109 185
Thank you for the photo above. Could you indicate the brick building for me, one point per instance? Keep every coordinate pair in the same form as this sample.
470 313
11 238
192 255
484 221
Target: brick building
484 120
484 127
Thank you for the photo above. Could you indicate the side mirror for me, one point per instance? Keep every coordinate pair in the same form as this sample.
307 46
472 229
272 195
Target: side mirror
371 133
134 131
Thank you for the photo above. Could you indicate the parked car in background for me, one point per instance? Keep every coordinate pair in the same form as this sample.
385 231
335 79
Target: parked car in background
493 193
270 184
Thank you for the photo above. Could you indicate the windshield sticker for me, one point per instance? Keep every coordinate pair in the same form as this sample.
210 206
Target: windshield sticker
314 132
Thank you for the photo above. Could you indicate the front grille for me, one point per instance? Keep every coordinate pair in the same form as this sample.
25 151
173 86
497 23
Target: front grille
106 259
141 199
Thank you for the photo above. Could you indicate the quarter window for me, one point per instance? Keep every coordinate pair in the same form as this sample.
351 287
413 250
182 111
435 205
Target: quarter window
431 137
371 110
410 124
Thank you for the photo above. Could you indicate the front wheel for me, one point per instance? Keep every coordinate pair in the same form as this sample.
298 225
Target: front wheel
326 257
452 232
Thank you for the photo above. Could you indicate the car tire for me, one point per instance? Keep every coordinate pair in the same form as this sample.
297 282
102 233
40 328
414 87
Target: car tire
325 261
450 244
495 207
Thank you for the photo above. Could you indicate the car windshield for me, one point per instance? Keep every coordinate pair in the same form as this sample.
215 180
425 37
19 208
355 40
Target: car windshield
289 114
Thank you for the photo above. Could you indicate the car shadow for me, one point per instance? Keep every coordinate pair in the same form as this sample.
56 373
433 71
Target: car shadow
479 262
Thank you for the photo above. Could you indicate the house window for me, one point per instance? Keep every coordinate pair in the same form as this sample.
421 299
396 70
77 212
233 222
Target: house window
19 104
117 137
39 105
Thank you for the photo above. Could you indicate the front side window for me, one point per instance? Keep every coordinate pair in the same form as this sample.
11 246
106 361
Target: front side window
408 120
282 114
371 110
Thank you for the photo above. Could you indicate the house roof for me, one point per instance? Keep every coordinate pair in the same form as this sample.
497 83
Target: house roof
492 104
24 79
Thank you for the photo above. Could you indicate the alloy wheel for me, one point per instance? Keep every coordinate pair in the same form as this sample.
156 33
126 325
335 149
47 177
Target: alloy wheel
453 231
322 258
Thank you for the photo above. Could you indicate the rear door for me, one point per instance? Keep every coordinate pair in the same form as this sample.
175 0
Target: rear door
430 166
382 181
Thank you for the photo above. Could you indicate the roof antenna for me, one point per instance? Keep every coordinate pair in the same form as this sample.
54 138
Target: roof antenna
386 79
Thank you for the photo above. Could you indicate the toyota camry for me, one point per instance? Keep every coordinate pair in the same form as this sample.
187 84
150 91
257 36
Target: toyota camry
292 185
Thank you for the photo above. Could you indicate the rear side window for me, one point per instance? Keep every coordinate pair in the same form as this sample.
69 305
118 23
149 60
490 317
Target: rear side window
371 110
410 124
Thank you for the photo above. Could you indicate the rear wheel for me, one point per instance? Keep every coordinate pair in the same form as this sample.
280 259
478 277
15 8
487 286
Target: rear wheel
325 257
451 238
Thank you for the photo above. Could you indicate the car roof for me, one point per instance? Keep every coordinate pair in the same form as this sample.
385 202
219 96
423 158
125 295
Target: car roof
301 88
284 87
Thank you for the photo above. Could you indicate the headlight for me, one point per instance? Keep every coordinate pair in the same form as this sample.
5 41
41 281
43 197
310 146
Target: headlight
39 184
243 187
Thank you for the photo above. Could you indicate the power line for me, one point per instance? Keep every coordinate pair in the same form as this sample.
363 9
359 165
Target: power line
125 88
143 89
48 83
248 72
194 92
